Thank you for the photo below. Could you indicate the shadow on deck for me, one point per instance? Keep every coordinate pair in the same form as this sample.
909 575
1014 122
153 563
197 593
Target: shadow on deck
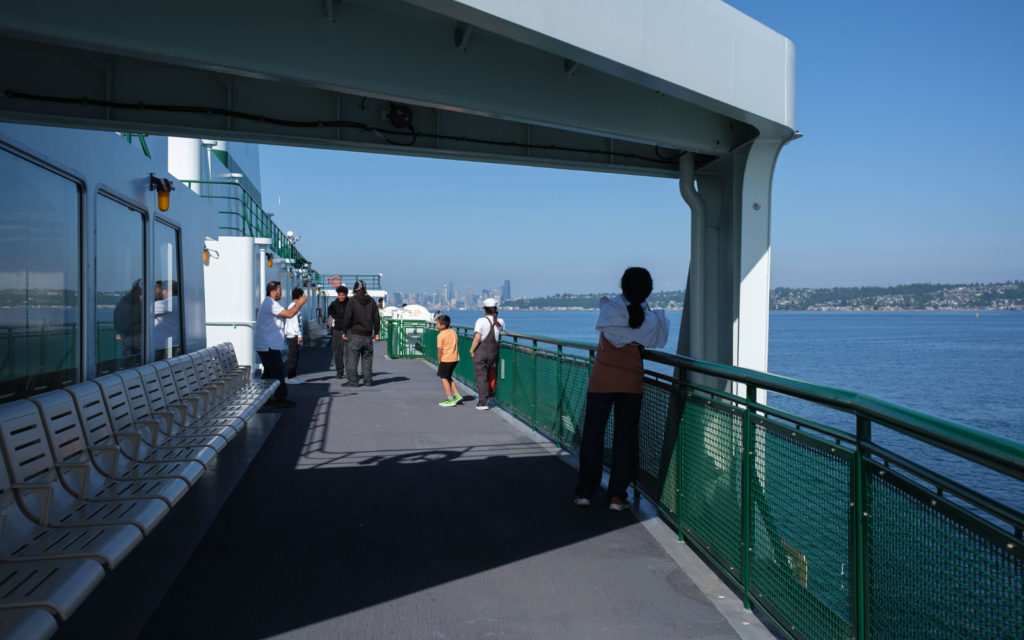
374 513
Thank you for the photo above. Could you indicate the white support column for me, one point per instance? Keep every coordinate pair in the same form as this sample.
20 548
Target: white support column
727 301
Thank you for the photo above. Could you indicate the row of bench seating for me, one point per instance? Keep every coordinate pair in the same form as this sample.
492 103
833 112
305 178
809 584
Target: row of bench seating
90 469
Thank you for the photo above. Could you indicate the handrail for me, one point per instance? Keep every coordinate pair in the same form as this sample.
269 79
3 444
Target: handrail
282 246
1002 454
565 343
996 452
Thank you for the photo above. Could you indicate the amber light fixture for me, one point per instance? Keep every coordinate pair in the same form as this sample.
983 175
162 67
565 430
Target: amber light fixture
270 260
163 188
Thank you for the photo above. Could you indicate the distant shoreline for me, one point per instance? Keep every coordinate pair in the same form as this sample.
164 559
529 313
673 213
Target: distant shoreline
976 297
970 310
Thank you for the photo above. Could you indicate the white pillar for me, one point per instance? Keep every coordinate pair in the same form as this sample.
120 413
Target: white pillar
726 319
184 159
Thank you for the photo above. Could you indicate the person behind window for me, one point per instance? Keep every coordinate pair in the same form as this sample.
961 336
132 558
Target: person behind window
166 319
627 325
128 321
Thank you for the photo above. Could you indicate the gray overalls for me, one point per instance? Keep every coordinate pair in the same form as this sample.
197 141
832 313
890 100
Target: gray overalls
485 356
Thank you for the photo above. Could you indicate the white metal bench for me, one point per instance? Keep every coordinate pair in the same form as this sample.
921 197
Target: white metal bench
138 433
56 494
98 464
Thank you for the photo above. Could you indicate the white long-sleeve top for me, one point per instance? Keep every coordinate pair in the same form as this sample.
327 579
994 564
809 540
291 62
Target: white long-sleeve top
293 325
613 322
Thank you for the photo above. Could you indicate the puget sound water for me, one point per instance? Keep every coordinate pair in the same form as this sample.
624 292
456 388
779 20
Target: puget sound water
966 367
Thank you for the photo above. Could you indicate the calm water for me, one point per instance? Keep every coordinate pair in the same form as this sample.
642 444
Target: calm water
960 366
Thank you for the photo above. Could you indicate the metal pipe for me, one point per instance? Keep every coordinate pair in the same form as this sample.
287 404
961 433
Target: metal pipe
691 342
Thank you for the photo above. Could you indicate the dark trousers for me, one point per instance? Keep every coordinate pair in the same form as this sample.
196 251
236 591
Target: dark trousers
293 356
359 347
273 369
627 423
338 348
485 357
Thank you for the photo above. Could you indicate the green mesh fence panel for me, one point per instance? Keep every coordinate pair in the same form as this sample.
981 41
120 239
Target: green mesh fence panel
712 477
464 370
575 374
656 471
504 390
430 344
937 571
545 410
800 554
523 383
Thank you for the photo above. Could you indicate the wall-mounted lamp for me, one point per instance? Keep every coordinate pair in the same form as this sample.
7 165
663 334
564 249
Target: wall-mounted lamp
270 260
163 188
206 257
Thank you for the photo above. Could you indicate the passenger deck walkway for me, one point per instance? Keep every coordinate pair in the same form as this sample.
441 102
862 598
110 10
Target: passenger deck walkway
374 513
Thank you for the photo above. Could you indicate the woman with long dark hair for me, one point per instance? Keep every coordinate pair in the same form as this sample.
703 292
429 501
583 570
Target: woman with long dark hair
627 325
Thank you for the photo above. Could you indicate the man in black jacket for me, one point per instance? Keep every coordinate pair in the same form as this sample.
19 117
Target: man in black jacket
335 312
360 326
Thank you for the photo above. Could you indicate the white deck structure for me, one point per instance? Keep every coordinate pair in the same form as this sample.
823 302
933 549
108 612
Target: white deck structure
692 90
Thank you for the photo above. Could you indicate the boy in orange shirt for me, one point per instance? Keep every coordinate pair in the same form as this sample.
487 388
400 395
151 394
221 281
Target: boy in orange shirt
447 358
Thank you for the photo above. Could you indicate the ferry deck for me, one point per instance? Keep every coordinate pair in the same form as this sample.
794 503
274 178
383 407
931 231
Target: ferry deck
374 513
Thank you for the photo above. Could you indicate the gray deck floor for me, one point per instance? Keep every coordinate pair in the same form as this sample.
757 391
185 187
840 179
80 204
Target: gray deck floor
374 513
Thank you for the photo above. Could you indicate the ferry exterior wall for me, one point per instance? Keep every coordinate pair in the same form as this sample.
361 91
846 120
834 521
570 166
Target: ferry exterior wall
105 164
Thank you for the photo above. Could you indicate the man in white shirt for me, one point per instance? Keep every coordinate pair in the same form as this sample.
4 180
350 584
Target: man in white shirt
269 339
166 319
293 338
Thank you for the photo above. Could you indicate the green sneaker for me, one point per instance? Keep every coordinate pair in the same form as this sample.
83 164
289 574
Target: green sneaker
450 402
457 399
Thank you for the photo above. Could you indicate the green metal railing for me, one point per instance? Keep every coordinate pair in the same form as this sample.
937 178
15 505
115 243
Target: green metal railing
30 350
827 531
404 337
247 218
372 280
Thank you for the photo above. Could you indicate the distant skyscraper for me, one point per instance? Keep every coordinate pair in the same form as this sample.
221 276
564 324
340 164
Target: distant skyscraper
506 291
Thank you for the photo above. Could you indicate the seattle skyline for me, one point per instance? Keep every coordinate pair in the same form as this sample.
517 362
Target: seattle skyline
905 173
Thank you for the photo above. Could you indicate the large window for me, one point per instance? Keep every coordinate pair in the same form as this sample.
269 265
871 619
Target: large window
40 304
167 338
119 286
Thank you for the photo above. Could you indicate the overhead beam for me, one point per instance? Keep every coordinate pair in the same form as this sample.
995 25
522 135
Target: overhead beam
276 53
178 101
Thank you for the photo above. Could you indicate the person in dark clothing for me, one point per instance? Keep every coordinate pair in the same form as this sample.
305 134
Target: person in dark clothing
128 322
335 313
360 327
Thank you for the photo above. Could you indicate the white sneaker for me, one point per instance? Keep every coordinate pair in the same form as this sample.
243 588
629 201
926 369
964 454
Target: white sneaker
482 407
295 380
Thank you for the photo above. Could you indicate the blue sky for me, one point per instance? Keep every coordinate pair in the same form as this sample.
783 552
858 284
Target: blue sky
907 172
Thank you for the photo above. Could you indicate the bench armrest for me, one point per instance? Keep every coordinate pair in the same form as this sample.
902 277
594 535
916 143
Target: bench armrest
133 442
43 493
106 459
165 421
79 474
150 428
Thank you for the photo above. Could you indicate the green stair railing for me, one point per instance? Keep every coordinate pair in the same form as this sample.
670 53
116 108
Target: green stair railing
246 217
823 527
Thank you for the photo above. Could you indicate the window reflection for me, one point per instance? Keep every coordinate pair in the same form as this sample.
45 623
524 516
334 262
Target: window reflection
119 264
39 278
166 293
